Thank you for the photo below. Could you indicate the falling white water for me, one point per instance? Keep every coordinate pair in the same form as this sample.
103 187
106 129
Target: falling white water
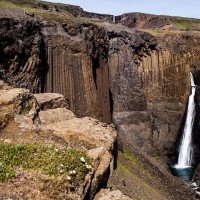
185 154
113 19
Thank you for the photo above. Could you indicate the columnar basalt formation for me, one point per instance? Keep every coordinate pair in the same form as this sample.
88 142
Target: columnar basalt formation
105 71
77 68
165 76
150 86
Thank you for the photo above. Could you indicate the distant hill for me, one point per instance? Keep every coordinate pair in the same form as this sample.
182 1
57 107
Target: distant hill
149 21
76 11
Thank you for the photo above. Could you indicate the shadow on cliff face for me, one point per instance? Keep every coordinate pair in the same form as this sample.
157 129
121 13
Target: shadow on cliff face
45 67
23 62
196 128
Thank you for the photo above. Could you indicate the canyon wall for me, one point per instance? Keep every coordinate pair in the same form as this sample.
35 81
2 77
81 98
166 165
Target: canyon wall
77 68
150 86
108 72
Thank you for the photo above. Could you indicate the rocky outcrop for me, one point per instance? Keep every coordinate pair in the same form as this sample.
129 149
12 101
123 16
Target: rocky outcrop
22 121
76 67
66 9
76 11
76 56
114 195
23 54
51 100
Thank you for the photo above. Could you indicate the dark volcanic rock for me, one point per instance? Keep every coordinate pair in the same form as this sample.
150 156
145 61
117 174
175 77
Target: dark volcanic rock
77 60
23 54
106 71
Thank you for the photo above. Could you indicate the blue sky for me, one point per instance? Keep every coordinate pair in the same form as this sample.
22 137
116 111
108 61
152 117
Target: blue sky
185 8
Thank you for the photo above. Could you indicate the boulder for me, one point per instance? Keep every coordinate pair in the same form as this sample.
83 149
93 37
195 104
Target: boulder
23 121
55 115
106 194
51 100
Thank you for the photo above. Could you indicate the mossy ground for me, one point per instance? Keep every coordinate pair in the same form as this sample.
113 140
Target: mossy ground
184 25
50 160
50 171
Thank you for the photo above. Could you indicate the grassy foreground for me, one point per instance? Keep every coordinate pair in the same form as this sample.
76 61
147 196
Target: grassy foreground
49 160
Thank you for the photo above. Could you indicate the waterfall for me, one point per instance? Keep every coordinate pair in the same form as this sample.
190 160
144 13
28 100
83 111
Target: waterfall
185 153
113 19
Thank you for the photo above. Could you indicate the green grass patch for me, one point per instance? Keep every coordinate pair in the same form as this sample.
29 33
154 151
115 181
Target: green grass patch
157 157
132 158
184 25
50 160
159 31
13 4
126 171
6 4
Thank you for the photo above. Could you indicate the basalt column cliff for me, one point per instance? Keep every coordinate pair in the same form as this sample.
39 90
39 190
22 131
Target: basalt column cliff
78 68
107 71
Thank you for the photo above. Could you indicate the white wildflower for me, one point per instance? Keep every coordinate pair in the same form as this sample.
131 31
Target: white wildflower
88 166
69 178
56 150
82 159
73 172
70 172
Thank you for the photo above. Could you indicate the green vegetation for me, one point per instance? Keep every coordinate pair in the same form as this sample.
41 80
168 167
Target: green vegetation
157 157
141 194
25 3
49 160
14 4
184 25
6 4
159 31
132 158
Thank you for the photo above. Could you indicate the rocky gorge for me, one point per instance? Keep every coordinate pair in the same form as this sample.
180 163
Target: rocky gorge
133 75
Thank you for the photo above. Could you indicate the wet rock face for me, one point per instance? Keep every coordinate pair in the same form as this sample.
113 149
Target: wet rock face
22 54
